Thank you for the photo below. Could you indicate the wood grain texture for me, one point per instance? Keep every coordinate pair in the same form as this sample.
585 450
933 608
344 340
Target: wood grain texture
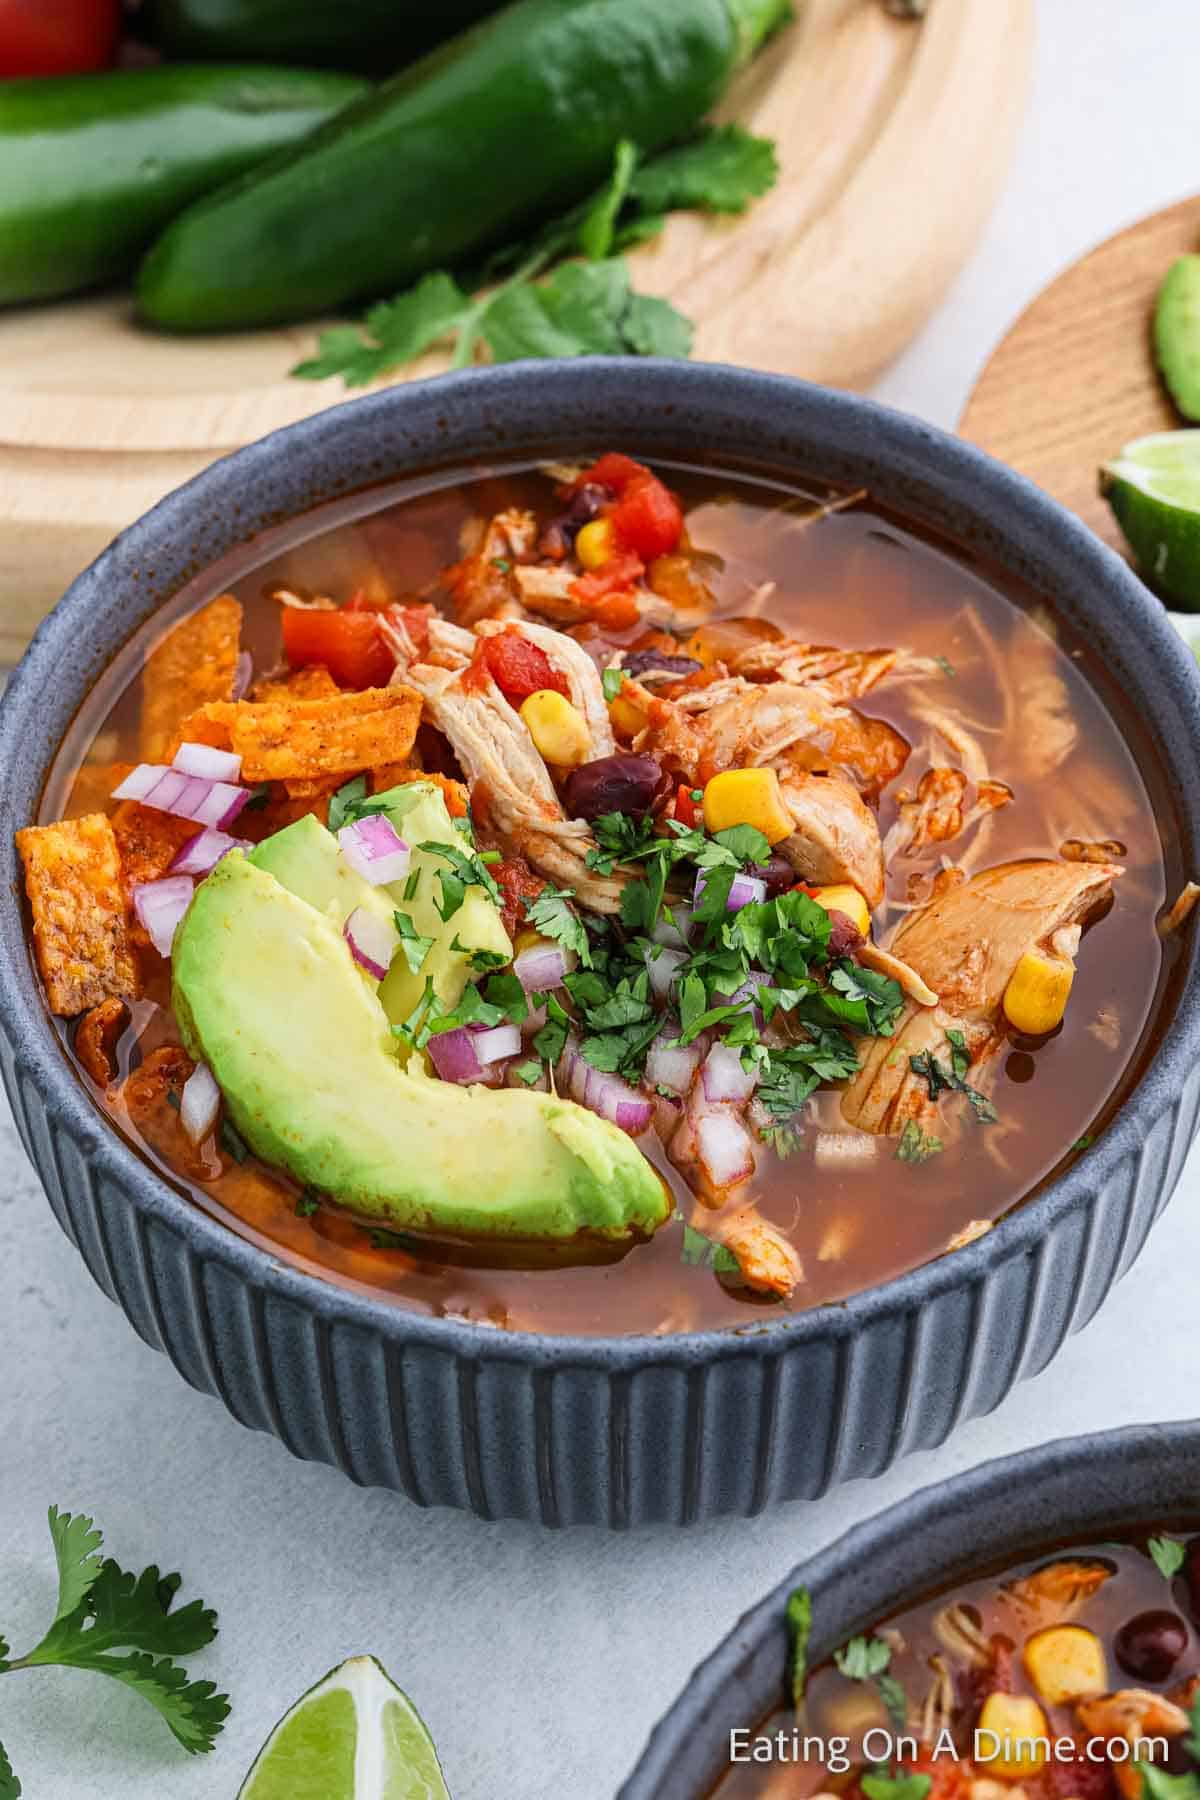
828 277
1075 378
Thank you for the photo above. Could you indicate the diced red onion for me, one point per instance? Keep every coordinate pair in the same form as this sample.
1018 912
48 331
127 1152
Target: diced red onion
673 1068
160 905
177 793
375 850
745 890
243 674
724 1078
663 966
453 1055
493 1043
617 1102
675 935
199 1103
724 1148
139 782
543 967
201 854
223 805
210 764
373 941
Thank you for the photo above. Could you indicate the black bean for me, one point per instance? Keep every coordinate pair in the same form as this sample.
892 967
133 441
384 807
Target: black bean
778 874
622 783
1149 1645
639 662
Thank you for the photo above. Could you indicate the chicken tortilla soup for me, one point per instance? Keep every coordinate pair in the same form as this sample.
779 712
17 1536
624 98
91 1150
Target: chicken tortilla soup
592 898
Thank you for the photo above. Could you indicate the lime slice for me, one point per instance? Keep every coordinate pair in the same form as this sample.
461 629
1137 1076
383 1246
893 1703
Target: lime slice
1153 488
355 1736
1177 334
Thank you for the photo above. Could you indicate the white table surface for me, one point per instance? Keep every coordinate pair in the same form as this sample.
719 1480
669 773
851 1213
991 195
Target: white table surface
539 1660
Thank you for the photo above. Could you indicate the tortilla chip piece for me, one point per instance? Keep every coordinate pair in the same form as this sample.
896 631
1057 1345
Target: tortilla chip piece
96 1039
150 1095
453 792
312 682
195 663
81 935
147 844
300 740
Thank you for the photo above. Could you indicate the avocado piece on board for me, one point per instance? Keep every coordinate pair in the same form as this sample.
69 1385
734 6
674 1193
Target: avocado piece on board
305 858
267 994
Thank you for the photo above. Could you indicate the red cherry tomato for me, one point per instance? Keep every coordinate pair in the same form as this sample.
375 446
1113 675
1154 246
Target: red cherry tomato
348 643
57 37
520 668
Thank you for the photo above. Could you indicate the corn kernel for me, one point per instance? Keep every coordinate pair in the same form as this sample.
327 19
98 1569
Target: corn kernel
1037 993
1066 1663
1015 1720
595 543
558 729
627 717
747 797
848 900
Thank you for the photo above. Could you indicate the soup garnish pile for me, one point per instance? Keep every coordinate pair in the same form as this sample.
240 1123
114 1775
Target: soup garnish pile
566 900
1076 1674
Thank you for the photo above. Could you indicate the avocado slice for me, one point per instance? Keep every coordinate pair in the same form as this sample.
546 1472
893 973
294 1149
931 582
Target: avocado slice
267 994
305 858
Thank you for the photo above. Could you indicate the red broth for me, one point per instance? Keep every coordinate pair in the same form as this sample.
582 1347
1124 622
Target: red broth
855 577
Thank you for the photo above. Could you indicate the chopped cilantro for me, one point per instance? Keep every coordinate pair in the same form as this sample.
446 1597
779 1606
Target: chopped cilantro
942 1080
700 1252
1084 1143
412 884
341 802
506 993
895 1699
862 1658
232 1141
415 947
746 843
554 918
945 665
479 959
1160 1784
502 563
466 870
1167 1555
799 1628
308 1202
612 681
259 795
549 1041
884 1786
917 1146
383 1239
529 1072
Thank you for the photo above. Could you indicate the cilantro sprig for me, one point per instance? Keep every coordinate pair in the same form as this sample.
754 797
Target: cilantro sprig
518 304
110 1622
953 1079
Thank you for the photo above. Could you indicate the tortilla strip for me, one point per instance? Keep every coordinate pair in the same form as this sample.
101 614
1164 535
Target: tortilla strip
148 842
312 682
195 663
80 928
300 740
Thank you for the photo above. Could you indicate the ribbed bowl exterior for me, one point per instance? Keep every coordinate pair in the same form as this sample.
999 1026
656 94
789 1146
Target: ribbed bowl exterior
623 1431
1080 1490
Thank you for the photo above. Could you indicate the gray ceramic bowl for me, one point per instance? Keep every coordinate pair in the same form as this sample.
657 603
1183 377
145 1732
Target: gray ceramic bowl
1070 1491
617 1431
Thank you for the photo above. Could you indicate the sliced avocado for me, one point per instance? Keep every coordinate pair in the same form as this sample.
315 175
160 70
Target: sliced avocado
306 859
267 995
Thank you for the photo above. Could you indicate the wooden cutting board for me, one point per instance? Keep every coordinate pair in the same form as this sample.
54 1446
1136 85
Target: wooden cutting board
1075 378
827 277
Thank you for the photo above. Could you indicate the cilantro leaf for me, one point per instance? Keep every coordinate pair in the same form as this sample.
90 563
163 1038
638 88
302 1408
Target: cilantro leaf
653 327
554 918
529 1072
612 681
114 1623
341 802
1159 1784
415 947
882 1786
393 333
799 1626
917 1146
895 1699
862 1658
10 1787
701 1252
1168 1556
940 1079
466 870
308 1201
745 842
721 170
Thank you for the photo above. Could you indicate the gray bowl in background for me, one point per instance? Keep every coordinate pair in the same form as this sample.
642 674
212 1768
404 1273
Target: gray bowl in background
611 1431
1074 1491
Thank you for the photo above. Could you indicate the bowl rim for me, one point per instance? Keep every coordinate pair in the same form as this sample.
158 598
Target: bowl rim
918 1517
1017 1235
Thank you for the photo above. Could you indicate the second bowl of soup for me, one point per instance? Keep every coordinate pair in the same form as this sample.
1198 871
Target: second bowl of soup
629 920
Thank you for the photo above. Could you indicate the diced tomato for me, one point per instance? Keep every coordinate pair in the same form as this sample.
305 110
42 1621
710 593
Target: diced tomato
686 810
517 883
619 573
648 518
350 645
57 37
519 668
613 471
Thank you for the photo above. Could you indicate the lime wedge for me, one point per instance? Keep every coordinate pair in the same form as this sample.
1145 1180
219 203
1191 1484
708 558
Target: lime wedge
1177 334
1153 488
355 1736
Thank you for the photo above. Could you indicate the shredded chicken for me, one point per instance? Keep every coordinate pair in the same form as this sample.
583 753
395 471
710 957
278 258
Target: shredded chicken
497 754
1134 1714
930 816
836 838
959 1632
582 676
886 964
1060 1588
843 674
1181 911
484 584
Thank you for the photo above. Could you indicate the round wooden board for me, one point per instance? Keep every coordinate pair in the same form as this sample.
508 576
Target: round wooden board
828 277
1075 379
